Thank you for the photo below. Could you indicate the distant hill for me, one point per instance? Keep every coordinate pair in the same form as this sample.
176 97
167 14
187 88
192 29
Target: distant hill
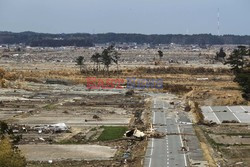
86 40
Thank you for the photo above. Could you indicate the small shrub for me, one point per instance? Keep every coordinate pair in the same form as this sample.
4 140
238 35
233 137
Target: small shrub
10 156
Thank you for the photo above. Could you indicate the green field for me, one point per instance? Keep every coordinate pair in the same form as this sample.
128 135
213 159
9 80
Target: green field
112 133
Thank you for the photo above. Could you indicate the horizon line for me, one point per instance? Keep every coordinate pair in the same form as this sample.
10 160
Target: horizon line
130 33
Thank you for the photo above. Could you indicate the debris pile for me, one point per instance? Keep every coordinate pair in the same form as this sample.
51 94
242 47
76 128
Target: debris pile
55 128
135 133
156 134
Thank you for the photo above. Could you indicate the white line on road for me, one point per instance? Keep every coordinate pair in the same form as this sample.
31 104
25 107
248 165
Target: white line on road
234 114
165 119
185 159
243 108
214 114
150 161
164 104
154 118
152 147
180 135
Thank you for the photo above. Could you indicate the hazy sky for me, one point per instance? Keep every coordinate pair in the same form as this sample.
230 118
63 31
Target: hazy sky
126 16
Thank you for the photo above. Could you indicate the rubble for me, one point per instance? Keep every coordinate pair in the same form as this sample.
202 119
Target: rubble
156 134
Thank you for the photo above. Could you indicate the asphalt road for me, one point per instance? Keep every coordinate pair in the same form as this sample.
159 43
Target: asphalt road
165 152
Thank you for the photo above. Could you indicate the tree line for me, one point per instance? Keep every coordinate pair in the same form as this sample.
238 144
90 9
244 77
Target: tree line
106 58
86 40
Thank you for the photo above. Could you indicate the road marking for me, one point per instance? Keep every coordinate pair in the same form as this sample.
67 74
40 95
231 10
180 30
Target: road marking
234 114
150 162
185 159
180 135
184 154
243 108
153 117
152 146
214 114
165 120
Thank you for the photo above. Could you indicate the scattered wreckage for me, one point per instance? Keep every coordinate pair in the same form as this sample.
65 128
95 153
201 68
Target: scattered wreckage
55 128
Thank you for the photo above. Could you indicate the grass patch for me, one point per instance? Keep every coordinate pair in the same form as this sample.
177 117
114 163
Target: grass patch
112 133
50 107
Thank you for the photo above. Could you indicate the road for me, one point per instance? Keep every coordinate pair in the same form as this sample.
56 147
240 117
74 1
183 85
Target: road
165 152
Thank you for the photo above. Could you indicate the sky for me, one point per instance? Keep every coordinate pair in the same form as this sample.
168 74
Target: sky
126 16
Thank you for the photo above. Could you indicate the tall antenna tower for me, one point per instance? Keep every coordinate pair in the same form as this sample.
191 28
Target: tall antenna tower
218 21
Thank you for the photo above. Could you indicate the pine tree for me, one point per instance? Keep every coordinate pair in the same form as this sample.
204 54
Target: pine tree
235 60
160 53
96 58
80 62
220 55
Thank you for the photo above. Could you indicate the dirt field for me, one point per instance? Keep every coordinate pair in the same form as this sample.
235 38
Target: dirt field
230 143
42 88
63 152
